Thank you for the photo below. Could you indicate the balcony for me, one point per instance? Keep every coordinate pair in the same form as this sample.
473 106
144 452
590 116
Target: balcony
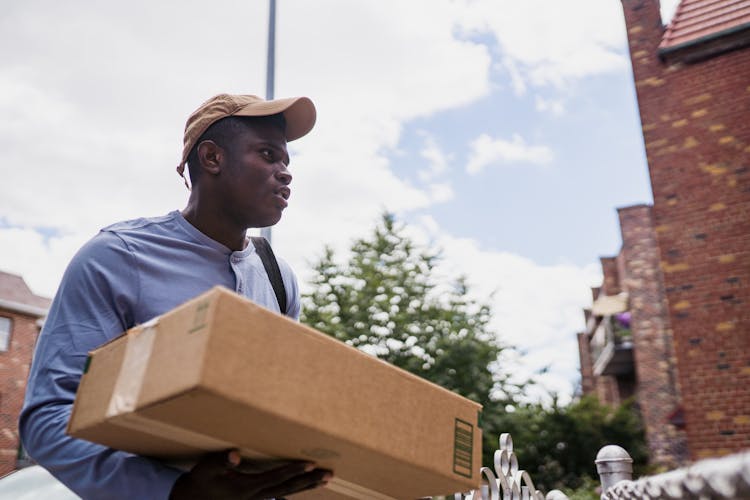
612 346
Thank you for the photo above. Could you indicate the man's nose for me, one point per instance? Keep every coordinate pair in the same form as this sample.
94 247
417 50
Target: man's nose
283 175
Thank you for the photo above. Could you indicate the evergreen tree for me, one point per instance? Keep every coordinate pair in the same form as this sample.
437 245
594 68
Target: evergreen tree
385 300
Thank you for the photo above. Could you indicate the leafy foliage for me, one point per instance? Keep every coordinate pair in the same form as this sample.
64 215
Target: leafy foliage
386 300
557 444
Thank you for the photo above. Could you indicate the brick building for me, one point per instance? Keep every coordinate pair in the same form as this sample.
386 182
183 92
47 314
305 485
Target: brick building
21 314
692 81
627 348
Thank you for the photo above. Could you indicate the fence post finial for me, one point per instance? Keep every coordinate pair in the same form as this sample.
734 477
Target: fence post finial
613 465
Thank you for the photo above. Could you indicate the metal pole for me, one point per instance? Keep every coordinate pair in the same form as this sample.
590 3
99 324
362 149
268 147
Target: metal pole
271 49
270 74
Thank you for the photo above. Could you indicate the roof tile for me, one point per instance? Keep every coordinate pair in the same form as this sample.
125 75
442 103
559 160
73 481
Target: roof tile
696 19
14 289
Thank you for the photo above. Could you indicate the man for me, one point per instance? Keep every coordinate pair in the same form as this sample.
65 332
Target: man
235 150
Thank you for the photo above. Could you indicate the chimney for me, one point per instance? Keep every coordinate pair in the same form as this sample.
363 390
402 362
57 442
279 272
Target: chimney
611 282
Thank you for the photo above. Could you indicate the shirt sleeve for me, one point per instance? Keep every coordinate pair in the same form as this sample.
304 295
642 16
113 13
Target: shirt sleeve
93 304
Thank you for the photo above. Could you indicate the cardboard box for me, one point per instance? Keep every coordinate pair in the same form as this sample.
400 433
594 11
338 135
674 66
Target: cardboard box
221 372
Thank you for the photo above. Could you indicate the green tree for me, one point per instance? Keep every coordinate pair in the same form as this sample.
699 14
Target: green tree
558 444
386 301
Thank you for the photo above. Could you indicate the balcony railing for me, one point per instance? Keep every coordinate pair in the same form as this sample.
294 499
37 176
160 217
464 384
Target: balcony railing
612 348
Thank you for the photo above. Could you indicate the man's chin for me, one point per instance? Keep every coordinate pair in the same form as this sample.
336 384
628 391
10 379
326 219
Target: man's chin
270 221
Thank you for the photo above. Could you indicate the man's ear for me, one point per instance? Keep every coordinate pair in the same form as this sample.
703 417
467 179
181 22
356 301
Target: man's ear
211 156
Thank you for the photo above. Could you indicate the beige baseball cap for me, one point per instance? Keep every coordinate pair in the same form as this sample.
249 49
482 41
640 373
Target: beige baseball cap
299 113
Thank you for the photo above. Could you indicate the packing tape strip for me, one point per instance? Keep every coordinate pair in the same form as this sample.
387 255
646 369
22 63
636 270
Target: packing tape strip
137 352
201 441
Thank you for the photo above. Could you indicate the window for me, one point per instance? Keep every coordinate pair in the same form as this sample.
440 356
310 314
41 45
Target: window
5 325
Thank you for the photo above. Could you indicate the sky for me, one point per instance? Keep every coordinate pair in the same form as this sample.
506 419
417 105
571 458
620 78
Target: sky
504 132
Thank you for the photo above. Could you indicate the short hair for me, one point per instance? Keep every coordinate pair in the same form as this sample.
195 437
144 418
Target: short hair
223 133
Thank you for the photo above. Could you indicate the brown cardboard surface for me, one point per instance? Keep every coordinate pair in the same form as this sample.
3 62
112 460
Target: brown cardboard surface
222 372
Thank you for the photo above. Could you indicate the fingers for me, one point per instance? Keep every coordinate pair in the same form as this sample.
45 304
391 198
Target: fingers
227 475
249 466
278 476
211 465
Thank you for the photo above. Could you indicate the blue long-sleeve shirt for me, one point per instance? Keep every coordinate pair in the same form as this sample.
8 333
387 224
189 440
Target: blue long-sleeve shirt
127 274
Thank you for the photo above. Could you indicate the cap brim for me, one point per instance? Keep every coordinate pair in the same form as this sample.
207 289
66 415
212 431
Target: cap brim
299 113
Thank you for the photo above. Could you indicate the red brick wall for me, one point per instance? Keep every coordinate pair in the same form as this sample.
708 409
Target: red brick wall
607 390
696 128
611 281
657 389
587 371
621 270
14 369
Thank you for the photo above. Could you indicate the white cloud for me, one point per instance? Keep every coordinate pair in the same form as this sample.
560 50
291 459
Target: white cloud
71 173
486 151
94 98
537 309
516 78
441 192
437 167
97 142
555 107
552 43
39 260
668 8
438 160
429 226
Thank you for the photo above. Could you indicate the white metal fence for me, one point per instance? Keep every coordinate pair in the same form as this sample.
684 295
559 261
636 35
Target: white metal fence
507 481
717 478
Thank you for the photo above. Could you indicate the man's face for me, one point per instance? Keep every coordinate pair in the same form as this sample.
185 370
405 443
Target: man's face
255 180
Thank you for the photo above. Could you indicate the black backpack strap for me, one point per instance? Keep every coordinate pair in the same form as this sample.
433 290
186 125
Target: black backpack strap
272 269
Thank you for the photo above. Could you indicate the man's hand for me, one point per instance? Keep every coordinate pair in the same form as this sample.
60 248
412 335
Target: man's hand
225 475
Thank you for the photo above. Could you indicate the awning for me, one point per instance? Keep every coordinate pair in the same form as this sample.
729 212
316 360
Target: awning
607 305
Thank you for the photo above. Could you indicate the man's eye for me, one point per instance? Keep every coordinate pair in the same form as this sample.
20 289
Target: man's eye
267 154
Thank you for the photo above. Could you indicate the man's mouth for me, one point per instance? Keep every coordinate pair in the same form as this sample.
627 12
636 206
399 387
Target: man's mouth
284 192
